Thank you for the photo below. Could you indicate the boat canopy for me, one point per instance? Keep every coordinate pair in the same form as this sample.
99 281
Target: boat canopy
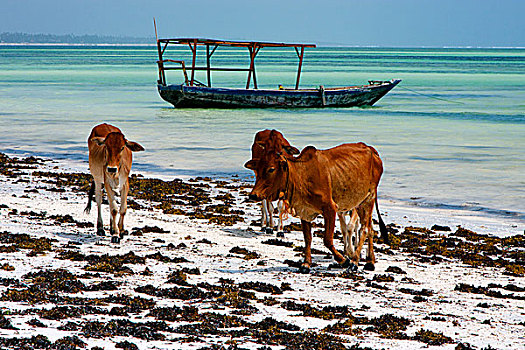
211 45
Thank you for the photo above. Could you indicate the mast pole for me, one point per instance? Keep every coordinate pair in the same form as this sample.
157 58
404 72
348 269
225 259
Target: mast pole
162 77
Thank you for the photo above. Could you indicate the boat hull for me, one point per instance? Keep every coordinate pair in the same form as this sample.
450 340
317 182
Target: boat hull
182 96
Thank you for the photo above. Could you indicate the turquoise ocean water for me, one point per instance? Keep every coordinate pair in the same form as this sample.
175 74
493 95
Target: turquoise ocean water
452 135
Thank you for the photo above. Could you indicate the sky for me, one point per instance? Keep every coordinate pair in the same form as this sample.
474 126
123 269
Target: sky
389 23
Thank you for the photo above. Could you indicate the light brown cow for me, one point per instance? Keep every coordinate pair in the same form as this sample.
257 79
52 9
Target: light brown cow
266 206
110 161
323 182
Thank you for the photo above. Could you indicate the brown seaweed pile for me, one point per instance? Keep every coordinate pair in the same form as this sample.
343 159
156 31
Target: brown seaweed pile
42 342
471 248
13 242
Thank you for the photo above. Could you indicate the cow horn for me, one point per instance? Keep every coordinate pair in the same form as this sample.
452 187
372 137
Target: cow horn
260 144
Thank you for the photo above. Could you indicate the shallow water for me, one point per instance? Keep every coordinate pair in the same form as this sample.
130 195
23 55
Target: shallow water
451 135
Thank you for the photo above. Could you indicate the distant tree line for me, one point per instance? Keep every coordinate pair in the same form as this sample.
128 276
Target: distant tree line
70 39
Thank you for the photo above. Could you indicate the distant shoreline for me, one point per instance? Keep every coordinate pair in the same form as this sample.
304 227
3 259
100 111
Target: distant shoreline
318 46
75 44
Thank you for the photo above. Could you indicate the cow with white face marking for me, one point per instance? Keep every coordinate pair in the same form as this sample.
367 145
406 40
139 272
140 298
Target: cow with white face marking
110 158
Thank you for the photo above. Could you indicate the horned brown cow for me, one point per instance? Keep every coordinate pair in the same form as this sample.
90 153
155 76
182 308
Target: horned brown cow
110 159
323 182
266 206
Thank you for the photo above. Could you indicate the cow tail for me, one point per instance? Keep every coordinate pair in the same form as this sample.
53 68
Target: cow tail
90 197
382 226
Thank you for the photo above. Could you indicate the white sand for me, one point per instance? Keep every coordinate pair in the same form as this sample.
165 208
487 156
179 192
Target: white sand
463 318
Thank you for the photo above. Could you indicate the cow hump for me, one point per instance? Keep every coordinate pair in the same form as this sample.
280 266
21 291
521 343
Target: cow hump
307 153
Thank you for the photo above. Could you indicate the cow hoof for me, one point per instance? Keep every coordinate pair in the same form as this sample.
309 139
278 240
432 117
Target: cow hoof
352 267
369 266
263 229
115 239
269 230
100 232
346 263
304 269
280 234
123 233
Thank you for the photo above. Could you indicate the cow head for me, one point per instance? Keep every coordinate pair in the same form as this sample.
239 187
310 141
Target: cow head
270 164
115 143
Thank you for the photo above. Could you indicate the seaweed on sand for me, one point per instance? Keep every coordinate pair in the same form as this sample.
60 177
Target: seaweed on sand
182 293
59 280
278 242
175 314
299 340
63 312
104 263
126 345
342 327
231 295
19 241
261 287
431 338
125 328
387 325
467 288
248 255
211 323
5 323
35 342
326 313
469 247
178 277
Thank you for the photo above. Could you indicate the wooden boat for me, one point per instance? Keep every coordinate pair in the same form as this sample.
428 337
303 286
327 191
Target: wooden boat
194 94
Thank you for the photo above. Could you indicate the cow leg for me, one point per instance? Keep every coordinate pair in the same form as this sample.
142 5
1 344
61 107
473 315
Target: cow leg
307 232
280 228
370 256
98 199
366 232
263 215
329 226
123 207
352 227
113 211
347 239
269 227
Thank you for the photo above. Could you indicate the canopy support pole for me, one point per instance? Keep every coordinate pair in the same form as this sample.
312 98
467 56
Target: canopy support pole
194 50
300 65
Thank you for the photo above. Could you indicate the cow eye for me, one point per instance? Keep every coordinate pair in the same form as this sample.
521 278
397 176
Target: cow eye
271 170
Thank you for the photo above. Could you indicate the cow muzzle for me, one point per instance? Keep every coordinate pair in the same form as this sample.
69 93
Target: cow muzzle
112 169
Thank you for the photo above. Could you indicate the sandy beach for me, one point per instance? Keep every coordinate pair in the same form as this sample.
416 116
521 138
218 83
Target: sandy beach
196 273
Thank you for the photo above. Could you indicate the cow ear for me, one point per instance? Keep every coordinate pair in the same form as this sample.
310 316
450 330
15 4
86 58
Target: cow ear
291 150
98 140
251 164
135 147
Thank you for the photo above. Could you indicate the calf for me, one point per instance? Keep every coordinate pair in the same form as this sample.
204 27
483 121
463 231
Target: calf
324 182
110 161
